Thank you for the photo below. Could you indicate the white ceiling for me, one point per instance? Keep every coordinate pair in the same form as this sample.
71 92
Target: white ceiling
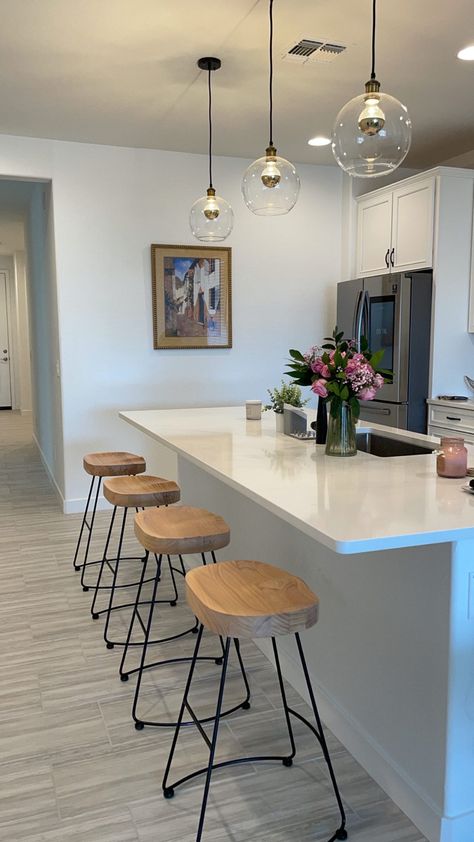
123 72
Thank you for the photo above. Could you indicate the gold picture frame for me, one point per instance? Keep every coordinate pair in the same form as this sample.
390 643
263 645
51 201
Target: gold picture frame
191 296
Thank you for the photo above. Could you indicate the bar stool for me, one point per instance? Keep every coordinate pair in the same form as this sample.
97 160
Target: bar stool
180 530
127 492
99 465
249 599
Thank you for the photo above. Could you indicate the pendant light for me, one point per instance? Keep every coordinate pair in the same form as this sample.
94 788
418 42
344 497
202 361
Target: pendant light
211 218
270 185
372 132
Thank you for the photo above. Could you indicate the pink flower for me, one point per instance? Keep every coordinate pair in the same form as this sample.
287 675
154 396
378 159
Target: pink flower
319 388
320 368
367 394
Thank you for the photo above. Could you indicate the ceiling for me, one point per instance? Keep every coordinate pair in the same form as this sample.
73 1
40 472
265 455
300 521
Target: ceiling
123 72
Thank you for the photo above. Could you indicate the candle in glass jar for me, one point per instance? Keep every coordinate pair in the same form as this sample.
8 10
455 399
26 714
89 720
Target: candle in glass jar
452 460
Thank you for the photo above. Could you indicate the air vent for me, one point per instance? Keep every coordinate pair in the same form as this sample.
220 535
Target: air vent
309 50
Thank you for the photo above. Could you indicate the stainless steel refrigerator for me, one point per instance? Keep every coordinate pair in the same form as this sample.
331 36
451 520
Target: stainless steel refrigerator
393 312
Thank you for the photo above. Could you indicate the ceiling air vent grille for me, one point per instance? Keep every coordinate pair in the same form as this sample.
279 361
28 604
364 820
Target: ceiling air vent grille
309 50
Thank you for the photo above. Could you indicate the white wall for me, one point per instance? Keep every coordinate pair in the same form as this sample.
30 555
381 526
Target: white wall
44 334
110 204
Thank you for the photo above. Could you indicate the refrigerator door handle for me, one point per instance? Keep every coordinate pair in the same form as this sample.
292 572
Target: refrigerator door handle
357 315
364 325
376 410
362 317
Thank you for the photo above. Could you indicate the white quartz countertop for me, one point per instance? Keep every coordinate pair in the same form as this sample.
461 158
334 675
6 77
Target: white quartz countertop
351 505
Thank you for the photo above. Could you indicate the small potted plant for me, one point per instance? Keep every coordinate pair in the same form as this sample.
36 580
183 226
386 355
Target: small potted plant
288 393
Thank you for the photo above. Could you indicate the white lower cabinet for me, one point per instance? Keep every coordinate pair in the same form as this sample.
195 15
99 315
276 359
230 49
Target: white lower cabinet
441 431
451 418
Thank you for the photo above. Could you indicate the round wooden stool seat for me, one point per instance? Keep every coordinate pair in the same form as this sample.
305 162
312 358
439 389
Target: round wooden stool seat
143 490
113 464
181 530
249 599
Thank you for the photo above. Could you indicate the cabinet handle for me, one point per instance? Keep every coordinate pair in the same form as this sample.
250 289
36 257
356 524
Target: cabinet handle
386 258
452 418
392 253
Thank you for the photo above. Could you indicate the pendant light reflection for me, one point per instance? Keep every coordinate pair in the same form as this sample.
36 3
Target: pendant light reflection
211 218
372 132
270 186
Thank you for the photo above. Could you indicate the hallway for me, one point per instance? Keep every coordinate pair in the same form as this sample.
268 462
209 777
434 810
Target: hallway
72 767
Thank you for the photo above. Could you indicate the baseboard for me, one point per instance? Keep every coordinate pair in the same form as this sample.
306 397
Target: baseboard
77 505
26 412
419 809
51 478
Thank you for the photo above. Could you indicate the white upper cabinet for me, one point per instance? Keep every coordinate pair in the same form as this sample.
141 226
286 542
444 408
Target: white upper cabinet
412 226
374 225
395 228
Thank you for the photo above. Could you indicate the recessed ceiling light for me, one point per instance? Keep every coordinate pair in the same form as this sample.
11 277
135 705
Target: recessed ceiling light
319 141
467 54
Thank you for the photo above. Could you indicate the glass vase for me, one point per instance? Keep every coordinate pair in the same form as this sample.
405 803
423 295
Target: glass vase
341 438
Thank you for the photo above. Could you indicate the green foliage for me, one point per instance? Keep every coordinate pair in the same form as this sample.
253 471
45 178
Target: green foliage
286 393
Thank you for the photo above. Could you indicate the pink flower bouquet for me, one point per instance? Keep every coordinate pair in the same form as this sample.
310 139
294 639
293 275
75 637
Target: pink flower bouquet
339 372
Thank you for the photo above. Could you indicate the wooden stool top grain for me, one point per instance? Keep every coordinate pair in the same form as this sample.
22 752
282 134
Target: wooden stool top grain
250 599
113 464
143 490
182 529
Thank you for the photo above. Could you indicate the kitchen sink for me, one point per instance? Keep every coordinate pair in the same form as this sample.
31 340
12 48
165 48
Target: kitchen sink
384 445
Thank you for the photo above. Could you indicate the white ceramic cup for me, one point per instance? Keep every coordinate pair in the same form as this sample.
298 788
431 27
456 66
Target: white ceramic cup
253 410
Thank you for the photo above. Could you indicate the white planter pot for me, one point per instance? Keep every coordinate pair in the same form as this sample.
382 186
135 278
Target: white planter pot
279 422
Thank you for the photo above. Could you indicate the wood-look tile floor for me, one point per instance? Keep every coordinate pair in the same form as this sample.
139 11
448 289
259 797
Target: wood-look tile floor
73 768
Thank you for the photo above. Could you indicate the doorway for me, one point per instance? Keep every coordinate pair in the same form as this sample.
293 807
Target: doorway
5 346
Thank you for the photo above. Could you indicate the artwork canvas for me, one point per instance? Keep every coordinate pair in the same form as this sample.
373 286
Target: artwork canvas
191 289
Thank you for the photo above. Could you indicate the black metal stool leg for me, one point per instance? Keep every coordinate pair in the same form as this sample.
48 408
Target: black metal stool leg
109 644
138 724
90 528
341 832
103 562
171 568
84 521
212 748
288 761
123 674
245 704
168 792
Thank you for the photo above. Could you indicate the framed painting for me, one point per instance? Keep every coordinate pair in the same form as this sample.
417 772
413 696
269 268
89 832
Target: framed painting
192 297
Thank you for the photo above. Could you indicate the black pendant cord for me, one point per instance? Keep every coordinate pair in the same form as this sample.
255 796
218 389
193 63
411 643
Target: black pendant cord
372 74
271 73
210 126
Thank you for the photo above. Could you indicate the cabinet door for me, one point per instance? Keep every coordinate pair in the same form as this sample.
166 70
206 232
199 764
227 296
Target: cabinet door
412 226
374 220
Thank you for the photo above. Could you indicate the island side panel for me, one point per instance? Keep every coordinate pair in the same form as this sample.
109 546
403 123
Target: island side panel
379 653
459 820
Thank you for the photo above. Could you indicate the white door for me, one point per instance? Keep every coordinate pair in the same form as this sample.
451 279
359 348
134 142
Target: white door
374 224
5 377
412 226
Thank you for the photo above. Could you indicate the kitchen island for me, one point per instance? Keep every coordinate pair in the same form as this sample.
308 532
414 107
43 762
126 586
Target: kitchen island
388 547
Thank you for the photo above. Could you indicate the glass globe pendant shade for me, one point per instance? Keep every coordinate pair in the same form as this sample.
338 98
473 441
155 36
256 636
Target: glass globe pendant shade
372 134
211 218
270 186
